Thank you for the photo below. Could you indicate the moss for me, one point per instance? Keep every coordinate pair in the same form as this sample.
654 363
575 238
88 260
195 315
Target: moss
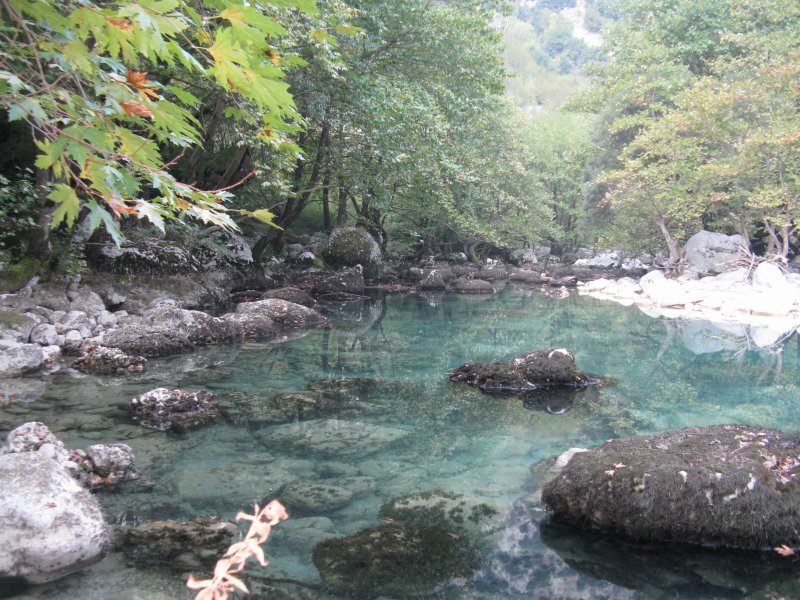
12 319
13 277
393 560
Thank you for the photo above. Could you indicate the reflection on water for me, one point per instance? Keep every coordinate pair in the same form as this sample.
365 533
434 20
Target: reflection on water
366 407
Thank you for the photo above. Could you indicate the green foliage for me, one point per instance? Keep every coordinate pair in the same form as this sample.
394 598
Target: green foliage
18 213
79 73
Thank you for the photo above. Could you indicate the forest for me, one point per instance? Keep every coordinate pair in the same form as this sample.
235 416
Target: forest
463 125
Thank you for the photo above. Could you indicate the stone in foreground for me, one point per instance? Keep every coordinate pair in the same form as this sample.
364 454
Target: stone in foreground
393 560
164 409
725 485
539 369
49 525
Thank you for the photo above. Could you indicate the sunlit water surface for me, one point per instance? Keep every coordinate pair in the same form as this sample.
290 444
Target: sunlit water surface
391 359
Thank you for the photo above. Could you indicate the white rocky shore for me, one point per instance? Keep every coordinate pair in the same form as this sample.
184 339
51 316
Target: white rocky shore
762 304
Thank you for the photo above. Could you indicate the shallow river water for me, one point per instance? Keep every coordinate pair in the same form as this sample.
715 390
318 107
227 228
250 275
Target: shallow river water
399 427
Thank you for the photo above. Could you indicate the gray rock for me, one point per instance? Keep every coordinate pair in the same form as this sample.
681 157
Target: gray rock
434 280
351 246
347 281
473 286
112 463
769 276
87 301
265 319
51 526
291 294
708 252
21 389
35 437
548 367
18 359
15 326
164 409
109 361
723 485
524 256
603 259
313 497
45 334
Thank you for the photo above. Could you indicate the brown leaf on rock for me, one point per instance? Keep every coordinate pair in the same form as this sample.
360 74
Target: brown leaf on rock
784 550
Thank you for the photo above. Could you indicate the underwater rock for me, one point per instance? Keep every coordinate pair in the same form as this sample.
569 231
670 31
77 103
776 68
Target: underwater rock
725 485
393 561
313 497
51 526
330 437
473 286
164 409
109 361
453 512
541 368
183 546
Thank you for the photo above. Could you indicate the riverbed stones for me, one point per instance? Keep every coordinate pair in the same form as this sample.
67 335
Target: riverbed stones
396 560
49 525
35 437
164 409
17 358
724 485
537 369
193 545
112 464
331 438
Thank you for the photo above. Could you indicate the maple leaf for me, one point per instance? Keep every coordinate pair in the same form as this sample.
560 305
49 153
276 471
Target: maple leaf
119 207
136 109
138 79
784 550
121 24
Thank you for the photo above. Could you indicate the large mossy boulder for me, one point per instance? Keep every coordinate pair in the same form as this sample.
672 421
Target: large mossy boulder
397 561
724 485
549 367
351 246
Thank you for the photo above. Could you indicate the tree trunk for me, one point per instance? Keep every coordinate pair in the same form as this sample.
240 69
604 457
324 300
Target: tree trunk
239 161
211 128
341 213
674 251
326 204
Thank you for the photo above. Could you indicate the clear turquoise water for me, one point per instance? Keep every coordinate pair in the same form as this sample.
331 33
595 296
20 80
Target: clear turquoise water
455 439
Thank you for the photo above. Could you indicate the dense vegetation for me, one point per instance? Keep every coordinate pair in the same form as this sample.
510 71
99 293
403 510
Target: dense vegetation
394 115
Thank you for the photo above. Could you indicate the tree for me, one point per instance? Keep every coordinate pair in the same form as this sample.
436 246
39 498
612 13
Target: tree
108 132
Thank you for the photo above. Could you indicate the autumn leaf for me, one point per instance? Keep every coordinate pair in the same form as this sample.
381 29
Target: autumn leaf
273 55
136 109
784 550
121 24
138 79
119 207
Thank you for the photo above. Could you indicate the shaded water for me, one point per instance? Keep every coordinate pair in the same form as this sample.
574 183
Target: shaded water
399 426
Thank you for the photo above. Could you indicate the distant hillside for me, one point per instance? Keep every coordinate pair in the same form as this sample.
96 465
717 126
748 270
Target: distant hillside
548 45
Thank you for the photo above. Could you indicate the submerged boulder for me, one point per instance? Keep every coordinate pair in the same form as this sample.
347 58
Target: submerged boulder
548 367
50 526
723 485
181 545
393 560
164 409
451 511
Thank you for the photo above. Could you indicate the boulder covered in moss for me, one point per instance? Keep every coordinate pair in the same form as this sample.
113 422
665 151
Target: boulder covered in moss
724 485
351 246
549 367
397 561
